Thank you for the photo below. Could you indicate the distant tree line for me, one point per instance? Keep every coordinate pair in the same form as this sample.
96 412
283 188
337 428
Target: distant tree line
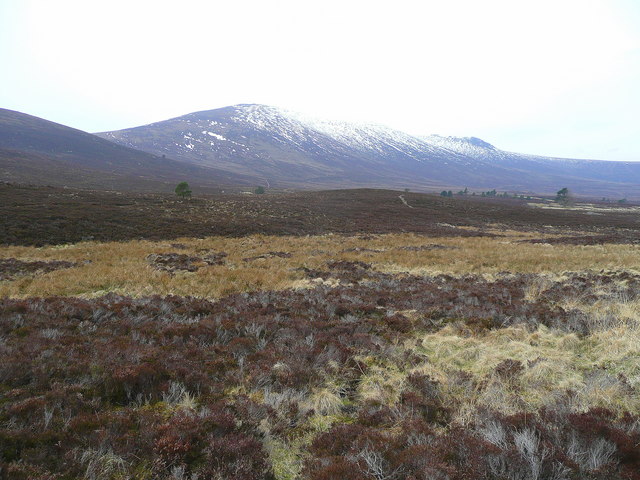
489 193
621 201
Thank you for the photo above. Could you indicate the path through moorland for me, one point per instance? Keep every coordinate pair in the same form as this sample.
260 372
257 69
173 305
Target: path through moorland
401 197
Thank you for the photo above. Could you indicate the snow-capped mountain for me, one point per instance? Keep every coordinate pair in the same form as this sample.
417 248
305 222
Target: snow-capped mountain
282 148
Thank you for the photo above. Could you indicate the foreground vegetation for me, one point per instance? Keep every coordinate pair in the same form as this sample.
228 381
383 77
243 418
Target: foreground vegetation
489 353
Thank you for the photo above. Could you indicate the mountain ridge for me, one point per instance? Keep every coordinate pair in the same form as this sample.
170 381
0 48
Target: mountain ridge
282 148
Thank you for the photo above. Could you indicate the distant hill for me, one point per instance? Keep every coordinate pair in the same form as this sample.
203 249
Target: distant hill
34 150
276 147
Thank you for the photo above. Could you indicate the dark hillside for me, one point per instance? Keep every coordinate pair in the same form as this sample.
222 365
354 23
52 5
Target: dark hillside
34 150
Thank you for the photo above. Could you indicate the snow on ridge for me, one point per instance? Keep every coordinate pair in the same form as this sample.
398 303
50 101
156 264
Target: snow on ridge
221 130
459 142
304 131
472 147
297 128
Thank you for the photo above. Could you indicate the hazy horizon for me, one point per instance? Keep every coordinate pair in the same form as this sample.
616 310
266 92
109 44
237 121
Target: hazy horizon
549 78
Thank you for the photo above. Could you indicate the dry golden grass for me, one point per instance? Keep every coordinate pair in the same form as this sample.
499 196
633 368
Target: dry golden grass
586 207
601 369
122 267
324 401
382 384
554 362
613 311
490 256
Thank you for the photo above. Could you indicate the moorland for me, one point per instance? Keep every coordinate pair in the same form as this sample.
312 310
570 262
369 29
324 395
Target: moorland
348 334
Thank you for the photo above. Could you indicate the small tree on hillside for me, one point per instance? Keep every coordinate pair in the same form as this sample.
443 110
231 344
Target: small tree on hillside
259 190
563 196
183 190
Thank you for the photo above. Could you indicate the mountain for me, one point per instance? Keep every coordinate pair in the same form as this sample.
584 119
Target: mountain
34 150
280 148
260 145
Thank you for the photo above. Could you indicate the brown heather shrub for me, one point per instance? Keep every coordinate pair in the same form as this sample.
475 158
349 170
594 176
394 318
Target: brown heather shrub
429 409
20 471
509 369
374 414
527 447
179 384
171 262
271 254
398 323
337 469
11 268
214 258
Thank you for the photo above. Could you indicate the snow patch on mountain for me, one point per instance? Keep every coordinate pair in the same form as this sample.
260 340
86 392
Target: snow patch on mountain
215 135
469 146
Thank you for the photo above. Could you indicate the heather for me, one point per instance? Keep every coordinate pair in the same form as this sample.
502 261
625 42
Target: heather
385 376
446 351
31 215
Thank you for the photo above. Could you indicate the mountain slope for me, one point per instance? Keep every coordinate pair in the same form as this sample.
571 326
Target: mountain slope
588 169
35 150
280 148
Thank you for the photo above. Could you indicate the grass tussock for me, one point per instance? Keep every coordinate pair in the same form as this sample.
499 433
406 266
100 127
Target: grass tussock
536 367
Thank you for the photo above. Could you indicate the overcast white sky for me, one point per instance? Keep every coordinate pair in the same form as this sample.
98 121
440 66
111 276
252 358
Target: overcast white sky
552 77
